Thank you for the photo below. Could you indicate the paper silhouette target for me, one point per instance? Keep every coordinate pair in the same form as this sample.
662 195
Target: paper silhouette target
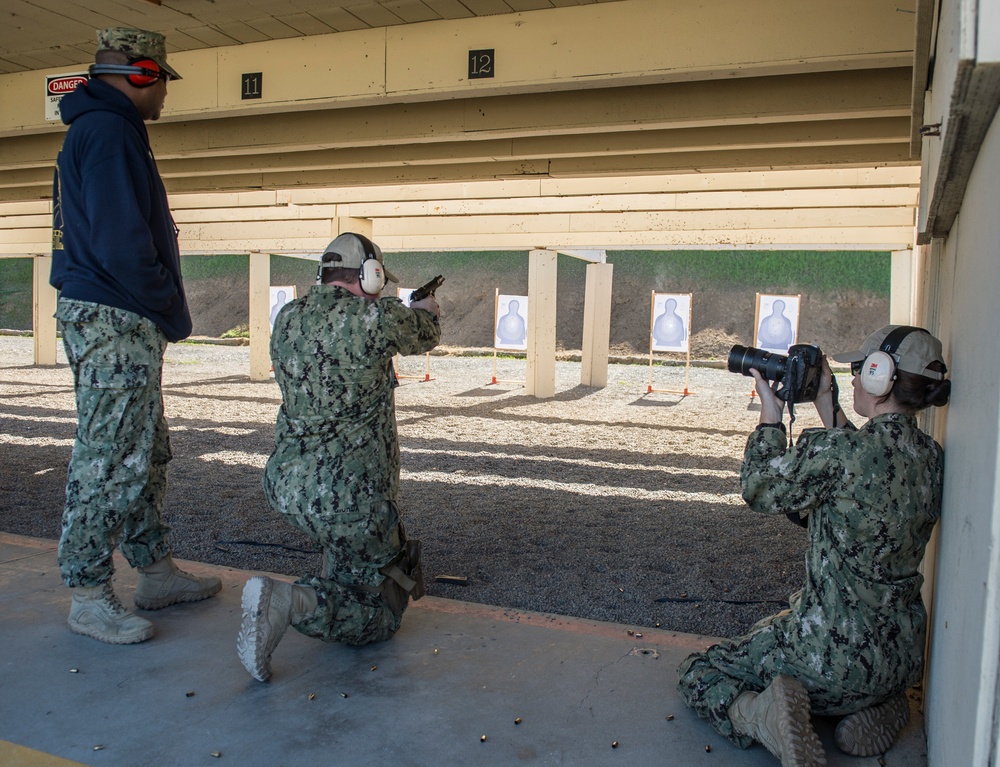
280 295
511 328
777 322
670 330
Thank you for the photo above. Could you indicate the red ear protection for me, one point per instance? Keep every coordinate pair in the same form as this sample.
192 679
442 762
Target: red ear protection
141 73
149 74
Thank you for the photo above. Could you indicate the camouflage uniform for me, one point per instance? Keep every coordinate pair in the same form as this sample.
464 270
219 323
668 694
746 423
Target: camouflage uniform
116 265
334 472
117 473
854 635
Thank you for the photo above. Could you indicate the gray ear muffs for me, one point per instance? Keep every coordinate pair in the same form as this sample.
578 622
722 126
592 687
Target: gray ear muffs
878 373
371 275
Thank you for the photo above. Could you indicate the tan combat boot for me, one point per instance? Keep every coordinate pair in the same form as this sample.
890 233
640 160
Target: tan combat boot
163 584
96 612
269 607
873 730
779 719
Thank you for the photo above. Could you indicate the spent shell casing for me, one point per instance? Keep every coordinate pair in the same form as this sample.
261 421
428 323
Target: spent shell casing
517 721
482 738
614 744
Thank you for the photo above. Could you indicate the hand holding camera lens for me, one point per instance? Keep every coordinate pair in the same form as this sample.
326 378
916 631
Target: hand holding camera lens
798 374
772 407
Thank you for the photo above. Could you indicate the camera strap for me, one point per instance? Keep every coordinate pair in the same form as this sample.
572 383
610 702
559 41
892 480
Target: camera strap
793 375
791 420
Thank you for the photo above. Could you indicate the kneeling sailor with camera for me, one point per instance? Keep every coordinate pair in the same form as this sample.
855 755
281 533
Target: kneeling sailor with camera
852 642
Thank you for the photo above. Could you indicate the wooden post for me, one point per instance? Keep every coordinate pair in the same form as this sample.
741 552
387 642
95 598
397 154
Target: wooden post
596 325
43 307
541 369
260 316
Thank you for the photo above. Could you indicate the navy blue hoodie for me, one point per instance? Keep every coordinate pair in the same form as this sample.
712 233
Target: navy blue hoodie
114 241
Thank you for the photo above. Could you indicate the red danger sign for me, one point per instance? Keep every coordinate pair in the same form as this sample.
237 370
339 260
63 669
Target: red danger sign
60 86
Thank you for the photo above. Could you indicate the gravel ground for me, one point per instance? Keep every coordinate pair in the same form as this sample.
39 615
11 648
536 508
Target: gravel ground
610 504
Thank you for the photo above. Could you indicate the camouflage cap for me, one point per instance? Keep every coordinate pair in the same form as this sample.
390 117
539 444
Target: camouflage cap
136 44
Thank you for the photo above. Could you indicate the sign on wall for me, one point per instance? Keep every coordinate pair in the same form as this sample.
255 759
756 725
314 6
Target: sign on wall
57 86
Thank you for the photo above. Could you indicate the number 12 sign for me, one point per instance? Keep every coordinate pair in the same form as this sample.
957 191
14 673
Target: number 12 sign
482 64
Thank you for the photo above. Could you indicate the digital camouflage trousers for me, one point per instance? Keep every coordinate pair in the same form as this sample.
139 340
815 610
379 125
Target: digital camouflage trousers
116 478
710 681
358 604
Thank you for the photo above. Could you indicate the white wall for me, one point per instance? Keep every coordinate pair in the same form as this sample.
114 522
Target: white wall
965 651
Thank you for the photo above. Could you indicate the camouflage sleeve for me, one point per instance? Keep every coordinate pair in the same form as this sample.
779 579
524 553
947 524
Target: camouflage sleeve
777 479
406 330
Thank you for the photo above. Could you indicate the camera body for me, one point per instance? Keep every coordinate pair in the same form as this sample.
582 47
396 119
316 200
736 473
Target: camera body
798 373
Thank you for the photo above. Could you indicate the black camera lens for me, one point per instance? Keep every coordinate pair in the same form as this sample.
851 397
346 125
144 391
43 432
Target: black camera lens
743 358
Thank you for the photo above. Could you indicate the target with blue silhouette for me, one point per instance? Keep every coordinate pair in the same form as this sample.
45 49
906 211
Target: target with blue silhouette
670 330
280 295
511 329
403 294
778 322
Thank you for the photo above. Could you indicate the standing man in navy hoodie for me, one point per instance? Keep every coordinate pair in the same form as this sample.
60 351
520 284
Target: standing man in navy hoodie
116 263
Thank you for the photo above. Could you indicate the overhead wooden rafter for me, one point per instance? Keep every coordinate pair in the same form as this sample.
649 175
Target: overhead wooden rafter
597 101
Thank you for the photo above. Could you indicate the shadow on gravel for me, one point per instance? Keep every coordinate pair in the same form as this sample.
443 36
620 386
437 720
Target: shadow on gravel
591 504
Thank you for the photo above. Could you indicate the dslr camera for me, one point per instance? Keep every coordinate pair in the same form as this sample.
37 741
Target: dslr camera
798 373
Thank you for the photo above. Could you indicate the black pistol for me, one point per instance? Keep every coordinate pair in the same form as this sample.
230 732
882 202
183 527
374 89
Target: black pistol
426 290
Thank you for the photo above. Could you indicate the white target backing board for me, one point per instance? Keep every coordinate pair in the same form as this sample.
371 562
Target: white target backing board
280 295
404 295
670 322
776 322
510 330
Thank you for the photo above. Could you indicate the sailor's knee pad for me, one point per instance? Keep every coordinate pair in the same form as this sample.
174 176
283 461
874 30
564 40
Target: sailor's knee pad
404 578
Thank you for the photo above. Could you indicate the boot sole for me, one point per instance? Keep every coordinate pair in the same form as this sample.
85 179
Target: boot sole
872 731
93 633
175 599
803 746
249 642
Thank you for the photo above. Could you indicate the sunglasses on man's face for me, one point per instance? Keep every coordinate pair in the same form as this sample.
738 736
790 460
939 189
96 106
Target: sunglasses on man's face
856 367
